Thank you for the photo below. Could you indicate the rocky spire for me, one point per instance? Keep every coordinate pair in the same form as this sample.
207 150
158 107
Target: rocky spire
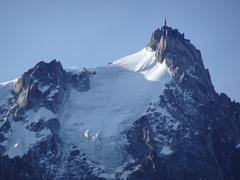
183 59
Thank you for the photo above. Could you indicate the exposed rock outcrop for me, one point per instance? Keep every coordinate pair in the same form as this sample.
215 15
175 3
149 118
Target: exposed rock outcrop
197 135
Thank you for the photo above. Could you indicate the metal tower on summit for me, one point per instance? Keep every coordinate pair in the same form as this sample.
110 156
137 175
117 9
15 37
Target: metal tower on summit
165 21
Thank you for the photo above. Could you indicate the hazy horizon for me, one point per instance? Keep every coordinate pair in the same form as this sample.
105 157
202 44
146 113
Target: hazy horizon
93 33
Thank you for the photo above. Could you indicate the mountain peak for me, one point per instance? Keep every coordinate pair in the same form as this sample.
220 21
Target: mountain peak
182 58
164 32
36 83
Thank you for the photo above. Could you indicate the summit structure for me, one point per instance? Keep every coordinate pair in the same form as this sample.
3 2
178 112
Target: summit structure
165 21
163 33
152 115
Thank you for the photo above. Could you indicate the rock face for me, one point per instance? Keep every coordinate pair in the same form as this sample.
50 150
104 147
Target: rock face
188 132
198 136
35 88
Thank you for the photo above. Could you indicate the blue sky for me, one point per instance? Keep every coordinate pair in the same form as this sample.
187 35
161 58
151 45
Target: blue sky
91 33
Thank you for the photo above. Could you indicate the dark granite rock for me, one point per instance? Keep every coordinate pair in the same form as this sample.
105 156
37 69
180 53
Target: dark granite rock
80 81
201 128
35 86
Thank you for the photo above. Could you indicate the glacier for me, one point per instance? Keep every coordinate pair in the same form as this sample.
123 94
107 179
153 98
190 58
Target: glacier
120 93
94 120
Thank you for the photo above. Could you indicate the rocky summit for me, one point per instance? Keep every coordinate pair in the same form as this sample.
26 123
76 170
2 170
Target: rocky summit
152 115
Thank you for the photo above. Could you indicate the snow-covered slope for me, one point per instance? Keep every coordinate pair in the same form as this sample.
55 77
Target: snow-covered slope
145 62
120 93
21 139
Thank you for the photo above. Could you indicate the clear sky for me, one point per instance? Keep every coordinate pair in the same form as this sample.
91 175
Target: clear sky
90 33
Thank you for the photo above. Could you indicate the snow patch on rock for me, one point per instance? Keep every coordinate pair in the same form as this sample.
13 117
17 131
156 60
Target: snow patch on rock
21 139
166 150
